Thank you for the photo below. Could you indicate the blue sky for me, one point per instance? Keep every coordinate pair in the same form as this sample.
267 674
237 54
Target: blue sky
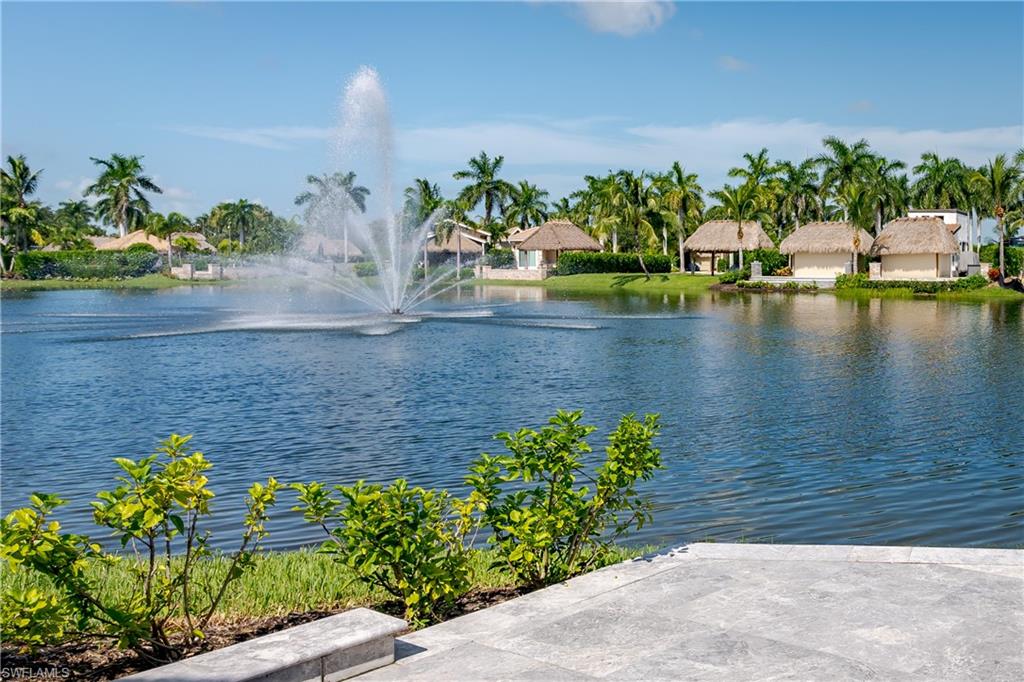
238 100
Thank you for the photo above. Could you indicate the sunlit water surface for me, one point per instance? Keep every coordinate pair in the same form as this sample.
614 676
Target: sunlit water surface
792 418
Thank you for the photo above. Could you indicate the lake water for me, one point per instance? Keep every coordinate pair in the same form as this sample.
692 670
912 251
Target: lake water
797 418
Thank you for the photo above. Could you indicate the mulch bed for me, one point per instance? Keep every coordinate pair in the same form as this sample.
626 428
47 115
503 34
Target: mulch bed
92 660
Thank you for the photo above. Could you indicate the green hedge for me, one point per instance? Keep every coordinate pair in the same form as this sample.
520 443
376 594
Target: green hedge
771 260
85 264
772 286
989 253
500 258
365 269
861 281
579 262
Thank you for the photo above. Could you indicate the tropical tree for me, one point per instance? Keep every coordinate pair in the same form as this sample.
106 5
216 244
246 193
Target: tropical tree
240 215
886 188
759 169
740 204
76 214
485 185
682 193
121 189
799 190
996 182
422 198
561 209
842 164
858 202
333 196
941 183
17 183
526 205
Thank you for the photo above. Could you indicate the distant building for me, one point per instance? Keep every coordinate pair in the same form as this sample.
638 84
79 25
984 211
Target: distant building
538 248
719 238
916 248
823 250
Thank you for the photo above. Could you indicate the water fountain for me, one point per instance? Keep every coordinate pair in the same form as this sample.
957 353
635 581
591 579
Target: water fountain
363 141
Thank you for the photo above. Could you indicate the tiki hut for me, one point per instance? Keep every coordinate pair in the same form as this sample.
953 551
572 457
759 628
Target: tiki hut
458 240
719 238
158 243
822 250
539 247
320 245
915 248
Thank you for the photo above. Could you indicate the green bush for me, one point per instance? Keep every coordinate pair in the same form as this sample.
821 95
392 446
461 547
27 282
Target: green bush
579 262
771 260
861 281
546 528
85 264
989 253
500 258
156 511
734 276
772 286
407 541
140 247
365 269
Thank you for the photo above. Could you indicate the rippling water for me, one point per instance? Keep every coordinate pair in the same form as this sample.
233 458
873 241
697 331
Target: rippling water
796 418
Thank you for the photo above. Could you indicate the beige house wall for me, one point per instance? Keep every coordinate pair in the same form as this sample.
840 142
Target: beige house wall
819 265
916 266
704 261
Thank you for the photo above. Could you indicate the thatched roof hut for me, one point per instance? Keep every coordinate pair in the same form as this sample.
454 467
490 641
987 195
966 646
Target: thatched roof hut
142 237
554 235
458 239
322 246
98 241
905 236
719 236
825 237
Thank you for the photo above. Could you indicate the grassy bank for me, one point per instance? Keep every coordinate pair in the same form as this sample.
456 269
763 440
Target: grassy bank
144 282
610 283
281 583
987 294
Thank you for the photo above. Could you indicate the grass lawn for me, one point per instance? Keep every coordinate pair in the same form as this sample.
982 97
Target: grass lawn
281 583
609 283
144 282
996 294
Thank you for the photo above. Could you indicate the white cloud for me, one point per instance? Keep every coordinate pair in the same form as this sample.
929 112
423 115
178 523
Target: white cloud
75 188
624 17
730 63
274 137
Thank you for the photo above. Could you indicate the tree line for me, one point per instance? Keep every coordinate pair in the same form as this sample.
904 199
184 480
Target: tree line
645 211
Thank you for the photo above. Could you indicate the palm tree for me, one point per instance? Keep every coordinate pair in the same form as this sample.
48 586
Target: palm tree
241 214
996 182
422 198
683 194
842 164
120 188
456 214
77 214
858 202
526 205
885 188
333 195
17 183
941 183
484 184
740 204
561 209
799 189
641 210
759 168
166 227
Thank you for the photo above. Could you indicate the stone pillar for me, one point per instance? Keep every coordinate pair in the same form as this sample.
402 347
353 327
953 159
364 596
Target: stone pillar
875 270
755 270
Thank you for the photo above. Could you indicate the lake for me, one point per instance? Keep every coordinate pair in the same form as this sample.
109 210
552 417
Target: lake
793 418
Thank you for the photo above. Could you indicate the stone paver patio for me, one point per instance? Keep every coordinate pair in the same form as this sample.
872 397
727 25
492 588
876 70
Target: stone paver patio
744 612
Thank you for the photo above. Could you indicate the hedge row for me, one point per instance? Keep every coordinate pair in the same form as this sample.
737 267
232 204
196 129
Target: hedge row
861 281
85 264
772 286
989 253
579 262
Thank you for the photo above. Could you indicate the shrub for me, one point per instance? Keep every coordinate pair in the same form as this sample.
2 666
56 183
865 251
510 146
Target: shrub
784 272
771 286
547 528
186 244
140 247
861 281
1014 255
500 258
407 541
85 264
723 265
156 510
733 276
365 269
771 260
579 262
993 274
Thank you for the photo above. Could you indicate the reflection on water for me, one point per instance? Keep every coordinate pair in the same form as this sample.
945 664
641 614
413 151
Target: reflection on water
801 418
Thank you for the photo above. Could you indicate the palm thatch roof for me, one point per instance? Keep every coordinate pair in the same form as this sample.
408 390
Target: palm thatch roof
142 237
719 236
554 235
914 235
99 241
826 237
468 242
